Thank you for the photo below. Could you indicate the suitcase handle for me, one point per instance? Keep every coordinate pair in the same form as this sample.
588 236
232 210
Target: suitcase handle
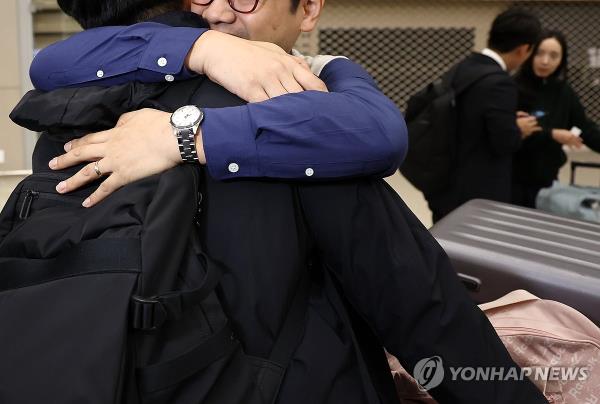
579 164
470 282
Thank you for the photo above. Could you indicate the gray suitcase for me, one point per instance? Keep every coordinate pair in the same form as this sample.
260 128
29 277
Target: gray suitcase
572 201
497 248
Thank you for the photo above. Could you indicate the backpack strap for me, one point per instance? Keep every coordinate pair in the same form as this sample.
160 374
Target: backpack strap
151 313
90 256
223 342
458 90
162 375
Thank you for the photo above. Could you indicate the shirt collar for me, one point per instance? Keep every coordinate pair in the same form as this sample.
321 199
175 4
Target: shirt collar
494 55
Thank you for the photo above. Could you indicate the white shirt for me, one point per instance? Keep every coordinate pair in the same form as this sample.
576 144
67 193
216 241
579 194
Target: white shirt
317 63
494 55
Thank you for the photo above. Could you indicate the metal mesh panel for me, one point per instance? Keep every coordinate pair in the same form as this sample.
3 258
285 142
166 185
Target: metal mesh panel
405 44
395 57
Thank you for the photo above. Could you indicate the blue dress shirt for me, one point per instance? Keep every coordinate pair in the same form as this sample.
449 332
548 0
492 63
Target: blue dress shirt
354 130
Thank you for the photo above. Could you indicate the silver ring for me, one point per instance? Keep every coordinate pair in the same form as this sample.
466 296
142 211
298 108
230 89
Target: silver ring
97 169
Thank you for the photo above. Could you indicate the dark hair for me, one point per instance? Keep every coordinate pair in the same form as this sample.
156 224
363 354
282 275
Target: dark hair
513 28
98 13
295 4
562 69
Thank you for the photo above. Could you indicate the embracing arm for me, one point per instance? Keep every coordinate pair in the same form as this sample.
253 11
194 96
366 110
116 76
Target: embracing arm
352 131
115 55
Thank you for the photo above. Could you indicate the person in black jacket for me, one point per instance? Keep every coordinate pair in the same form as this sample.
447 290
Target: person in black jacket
488 132
544 92
378 278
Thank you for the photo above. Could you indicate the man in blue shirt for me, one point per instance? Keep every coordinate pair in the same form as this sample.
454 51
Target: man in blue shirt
352 130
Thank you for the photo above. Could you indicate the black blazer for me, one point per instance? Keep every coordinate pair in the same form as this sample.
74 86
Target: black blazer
378 279
488 136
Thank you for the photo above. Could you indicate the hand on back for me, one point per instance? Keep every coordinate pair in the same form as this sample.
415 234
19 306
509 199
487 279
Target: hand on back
142 144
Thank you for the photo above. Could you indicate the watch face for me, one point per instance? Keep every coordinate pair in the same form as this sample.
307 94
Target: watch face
186 116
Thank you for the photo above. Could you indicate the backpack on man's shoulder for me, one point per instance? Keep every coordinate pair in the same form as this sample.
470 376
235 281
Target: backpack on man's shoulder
432 120
119 304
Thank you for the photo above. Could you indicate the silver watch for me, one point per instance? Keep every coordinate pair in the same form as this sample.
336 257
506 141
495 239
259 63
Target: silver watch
185 122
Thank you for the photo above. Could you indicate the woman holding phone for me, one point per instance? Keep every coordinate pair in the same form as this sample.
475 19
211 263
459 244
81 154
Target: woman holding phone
544 92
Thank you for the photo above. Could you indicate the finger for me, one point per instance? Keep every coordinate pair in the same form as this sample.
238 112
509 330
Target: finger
576 142
78 155
258 95
309 81
91 138
273 87
83 177
107 187
290 84
275 90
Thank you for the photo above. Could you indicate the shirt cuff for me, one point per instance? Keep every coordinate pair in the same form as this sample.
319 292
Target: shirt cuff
167 50
230 153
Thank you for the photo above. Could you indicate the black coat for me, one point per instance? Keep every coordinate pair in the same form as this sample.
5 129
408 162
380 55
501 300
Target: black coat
540 158
488 136
378 277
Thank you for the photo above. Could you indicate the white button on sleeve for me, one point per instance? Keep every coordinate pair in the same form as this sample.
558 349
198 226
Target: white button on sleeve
309 172
234 168
169 78
99 74
162 62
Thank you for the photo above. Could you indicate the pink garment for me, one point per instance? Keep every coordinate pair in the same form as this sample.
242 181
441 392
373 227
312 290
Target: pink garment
559 346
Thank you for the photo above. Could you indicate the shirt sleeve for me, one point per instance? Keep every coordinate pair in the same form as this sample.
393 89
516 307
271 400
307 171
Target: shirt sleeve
106 56
354 130
501 126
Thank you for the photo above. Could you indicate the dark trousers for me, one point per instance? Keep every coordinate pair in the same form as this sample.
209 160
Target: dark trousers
525 194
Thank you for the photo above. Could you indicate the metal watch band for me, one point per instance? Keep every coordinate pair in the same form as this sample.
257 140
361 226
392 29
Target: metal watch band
187 144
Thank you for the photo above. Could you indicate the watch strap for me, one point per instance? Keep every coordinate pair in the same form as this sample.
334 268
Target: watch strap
186 139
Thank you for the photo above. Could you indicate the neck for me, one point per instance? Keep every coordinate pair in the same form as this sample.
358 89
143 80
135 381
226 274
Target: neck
511 64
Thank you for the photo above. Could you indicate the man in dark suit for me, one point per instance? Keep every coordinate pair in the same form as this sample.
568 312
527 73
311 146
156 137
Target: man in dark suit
489 131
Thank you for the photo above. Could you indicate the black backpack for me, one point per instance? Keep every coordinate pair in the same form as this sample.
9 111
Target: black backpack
118 303
432 119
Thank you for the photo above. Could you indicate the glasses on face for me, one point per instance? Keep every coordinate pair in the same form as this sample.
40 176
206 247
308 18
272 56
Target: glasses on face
241 6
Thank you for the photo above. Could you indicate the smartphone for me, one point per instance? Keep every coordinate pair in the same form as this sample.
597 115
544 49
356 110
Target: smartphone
538 114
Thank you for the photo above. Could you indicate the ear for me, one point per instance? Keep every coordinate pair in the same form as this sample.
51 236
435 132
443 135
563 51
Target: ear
311 11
